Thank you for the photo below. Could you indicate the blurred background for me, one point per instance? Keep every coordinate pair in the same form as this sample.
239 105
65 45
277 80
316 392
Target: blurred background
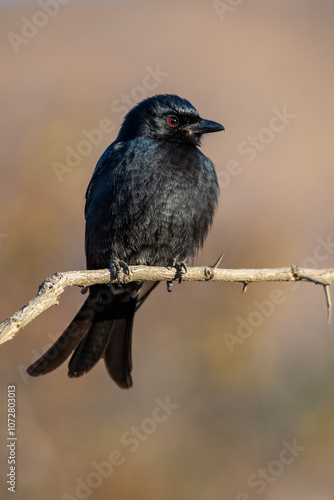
247 378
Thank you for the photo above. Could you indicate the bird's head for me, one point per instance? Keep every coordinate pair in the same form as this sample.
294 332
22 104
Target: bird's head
168 118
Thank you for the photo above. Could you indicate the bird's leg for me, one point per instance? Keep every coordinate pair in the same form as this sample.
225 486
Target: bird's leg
118 265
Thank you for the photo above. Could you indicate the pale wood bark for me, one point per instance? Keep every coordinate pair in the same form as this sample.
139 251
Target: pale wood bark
51 289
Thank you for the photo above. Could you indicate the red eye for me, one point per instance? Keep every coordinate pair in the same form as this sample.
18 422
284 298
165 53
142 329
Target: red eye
173 121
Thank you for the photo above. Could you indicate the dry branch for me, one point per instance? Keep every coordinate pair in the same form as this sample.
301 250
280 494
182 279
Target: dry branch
50 290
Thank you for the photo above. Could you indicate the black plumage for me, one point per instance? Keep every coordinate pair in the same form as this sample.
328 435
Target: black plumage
150 201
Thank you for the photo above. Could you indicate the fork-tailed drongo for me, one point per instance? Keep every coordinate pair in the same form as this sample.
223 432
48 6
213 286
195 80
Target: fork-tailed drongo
150 201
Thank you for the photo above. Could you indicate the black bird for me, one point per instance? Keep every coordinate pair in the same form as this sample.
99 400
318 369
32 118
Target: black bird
150 201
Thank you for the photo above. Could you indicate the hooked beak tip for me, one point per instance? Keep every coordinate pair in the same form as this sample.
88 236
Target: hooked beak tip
206 127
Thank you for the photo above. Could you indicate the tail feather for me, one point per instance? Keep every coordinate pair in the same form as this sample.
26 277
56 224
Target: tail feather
117 355
91 348
65 344
102 328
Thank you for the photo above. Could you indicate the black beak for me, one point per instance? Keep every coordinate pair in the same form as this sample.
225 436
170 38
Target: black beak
205 127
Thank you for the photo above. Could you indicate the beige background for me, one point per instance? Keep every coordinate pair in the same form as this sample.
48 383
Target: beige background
235 409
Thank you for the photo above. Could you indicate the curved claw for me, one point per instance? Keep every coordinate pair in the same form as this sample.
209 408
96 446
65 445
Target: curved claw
118 266
181 269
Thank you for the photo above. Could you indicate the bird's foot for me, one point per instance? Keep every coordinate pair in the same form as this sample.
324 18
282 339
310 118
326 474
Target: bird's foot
119 266
181 269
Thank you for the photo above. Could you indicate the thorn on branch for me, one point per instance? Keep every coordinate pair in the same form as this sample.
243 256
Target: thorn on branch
209 271
218 261
50 290
295 272
328 302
